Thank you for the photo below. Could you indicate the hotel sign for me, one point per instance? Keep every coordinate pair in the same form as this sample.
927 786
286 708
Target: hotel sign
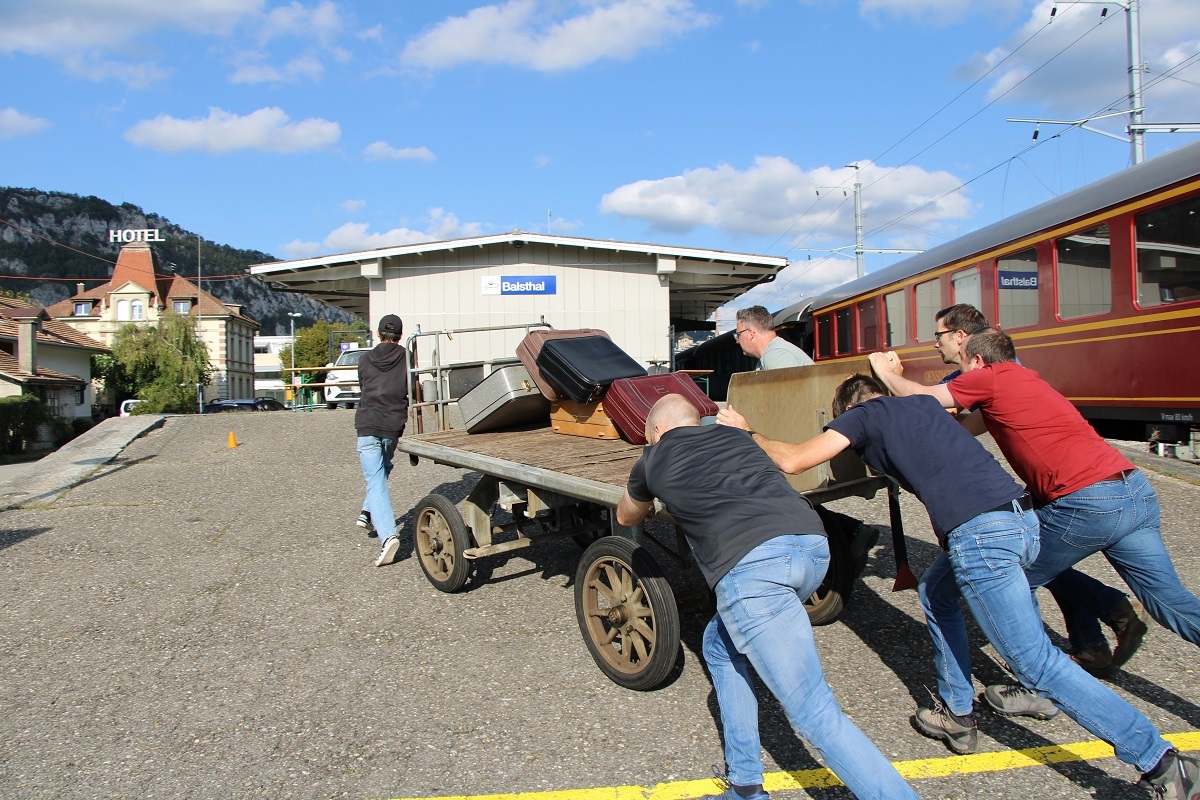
126 235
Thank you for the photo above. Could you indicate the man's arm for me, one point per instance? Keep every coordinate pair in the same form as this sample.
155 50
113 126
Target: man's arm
790 458
630 512
901 386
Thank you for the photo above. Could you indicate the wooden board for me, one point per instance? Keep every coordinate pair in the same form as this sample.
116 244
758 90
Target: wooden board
793 405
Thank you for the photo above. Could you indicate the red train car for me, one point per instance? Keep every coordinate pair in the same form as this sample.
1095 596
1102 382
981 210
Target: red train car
1099 288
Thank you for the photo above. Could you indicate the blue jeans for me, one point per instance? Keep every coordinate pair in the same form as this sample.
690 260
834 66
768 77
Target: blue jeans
761 620
1120 519
1084 602
375 454
985 567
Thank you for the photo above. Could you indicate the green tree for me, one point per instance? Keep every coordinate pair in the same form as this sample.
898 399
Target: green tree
160 364
317 346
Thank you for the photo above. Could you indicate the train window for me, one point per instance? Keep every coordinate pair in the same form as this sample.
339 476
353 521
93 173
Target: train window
1084 275
1017 289
844 330
824 340
868 326
1168 253
929 302
967 287
897 319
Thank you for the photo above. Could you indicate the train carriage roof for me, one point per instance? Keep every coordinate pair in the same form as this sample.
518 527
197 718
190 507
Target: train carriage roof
1157 173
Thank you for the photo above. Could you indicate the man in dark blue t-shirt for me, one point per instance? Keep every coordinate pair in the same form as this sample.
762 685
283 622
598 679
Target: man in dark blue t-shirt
762 548
989 532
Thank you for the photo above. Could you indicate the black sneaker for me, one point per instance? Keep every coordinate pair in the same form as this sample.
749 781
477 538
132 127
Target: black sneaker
364 521
1175 778
960 734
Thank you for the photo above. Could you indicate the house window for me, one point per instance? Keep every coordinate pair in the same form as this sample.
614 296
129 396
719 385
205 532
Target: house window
123 310
183 306
136 309
83 309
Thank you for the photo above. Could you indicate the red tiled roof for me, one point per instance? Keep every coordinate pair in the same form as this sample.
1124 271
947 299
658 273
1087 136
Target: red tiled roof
52 332
10 368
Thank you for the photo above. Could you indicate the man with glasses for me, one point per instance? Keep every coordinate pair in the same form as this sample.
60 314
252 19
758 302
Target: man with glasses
1083 600
755 334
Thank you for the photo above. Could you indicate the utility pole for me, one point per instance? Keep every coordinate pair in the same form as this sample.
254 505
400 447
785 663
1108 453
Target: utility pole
1137 129
858 222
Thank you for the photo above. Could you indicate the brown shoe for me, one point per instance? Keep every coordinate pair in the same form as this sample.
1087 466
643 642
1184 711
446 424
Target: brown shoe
1097 659
1130 625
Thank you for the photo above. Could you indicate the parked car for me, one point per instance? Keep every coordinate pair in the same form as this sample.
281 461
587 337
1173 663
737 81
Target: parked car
127 406
342 378
250 404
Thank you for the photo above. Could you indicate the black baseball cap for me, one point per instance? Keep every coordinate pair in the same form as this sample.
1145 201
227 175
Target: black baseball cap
391 324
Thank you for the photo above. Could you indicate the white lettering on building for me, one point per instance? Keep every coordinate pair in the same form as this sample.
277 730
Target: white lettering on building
126 235
522 286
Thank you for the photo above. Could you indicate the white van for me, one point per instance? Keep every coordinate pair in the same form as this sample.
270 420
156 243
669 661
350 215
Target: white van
127 406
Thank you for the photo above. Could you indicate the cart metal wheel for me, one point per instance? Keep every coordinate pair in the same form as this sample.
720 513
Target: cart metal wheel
441 536
825 605
626 613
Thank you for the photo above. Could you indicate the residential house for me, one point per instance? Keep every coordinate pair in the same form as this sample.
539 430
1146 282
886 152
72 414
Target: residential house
41 356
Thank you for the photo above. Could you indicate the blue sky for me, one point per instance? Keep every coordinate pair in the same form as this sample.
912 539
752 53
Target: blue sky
308 128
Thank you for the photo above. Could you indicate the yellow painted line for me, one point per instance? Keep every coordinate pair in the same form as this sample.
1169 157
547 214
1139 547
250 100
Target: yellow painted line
919 769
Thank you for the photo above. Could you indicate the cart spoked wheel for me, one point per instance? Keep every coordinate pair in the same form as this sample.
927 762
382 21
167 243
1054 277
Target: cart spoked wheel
826 604
626 613
440 536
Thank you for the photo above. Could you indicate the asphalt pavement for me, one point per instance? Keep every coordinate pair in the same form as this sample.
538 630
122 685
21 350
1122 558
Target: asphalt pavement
181 618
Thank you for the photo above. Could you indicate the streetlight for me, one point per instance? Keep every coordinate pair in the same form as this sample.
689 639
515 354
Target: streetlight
292 315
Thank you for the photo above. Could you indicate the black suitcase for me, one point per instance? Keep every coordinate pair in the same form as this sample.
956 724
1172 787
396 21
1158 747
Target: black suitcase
582 368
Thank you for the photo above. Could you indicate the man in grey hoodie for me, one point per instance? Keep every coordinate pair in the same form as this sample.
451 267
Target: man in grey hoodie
379 419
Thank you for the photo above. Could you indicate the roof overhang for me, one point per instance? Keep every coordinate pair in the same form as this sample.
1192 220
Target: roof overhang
699 280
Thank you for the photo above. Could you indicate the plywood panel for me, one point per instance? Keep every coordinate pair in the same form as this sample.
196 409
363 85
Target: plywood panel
793 405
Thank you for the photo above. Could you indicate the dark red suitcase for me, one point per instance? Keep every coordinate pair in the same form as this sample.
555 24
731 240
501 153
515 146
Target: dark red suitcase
531 345
629 400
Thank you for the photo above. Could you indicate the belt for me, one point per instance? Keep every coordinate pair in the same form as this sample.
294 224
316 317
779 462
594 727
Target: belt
1024 502
1118 476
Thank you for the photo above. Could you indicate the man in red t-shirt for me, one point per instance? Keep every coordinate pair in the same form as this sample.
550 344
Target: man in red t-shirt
1089 497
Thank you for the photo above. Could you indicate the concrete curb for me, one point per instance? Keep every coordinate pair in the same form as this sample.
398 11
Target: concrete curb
44 480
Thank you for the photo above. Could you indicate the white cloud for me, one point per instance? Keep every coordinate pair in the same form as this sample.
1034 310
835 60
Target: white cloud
14 123
267 129
776 198
353 206
1050 80
800 279
354 236
62 27
252 68
528 33
382 151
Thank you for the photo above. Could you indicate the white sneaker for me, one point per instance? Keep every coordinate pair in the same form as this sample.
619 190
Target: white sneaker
388 554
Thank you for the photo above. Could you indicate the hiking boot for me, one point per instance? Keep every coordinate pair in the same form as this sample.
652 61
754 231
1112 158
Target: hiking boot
1097 659
388 554
1017 701
1130 624
1175 778
736 793
364 521
959 733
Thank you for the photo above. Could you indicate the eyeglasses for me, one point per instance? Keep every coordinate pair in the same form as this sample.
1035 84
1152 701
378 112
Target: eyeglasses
937 335
738 334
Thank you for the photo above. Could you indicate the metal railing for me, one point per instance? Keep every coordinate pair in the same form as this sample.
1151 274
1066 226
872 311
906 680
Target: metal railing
438 374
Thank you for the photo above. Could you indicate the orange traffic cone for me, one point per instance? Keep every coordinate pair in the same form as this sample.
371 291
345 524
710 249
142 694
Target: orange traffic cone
232 440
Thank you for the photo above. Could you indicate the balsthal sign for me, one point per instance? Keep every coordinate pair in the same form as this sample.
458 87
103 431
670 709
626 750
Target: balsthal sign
127 235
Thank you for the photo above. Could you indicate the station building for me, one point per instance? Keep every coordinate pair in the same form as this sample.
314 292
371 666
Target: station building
639 294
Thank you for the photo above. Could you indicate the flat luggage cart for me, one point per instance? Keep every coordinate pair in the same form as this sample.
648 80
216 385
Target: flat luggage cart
556 486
